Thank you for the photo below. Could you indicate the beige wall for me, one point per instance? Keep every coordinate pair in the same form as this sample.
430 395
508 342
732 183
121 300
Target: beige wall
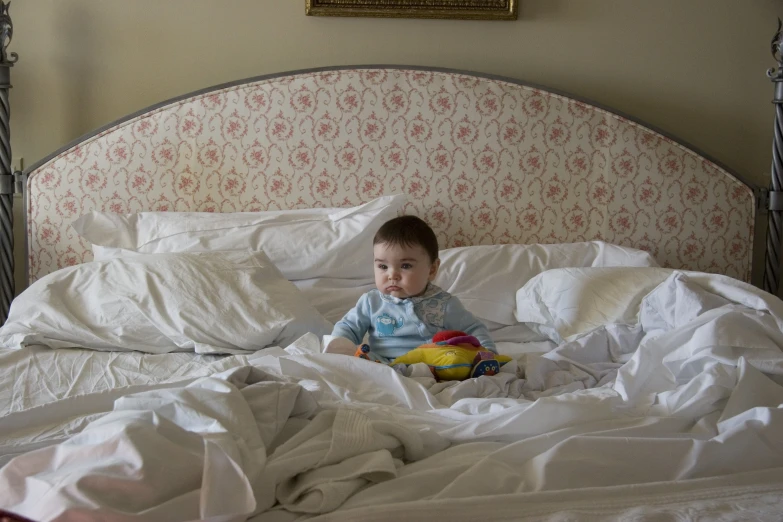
693 68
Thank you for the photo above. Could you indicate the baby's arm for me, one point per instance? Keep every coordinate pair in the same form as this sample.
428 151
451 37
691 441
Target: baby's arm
458 318
349 331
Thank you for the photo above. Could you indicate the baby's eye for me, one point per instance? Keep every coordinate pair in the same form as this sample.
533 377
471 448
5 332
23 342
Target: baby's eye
407 266
382 267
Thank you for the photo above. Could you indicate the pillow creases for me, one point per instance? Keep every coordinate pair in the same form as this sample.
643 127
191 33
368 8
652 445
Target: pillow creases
207 302
564 303
486 278
303 244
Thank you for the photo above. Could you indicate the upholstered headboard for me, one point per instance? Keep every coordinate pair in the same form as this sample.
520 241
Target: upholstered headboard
483 159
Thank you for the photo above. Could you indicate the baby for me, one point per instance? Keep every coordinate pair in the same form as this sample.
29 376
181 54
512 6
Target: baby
406 309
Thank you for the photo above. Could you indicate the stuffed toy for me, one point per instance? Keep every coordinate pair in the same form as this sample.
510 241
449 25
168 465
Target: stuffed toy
454 356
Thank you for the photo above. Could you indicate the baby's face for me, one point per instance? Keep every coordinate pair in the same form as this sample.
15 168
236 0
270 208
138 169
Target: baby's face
403 271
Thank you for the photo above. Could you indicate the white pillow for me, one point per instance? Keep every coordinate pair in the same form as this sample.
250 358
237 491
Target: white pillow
485 278
302 243
209 302
334 297
568 302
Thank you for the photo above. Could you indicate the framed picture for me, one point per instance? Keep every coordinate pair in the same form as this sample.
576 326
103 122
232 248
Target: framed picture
464 9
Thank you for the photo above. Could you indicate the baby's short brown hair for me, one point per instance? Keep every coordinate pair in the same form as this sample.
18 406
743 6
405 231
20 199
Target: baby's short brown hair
408 231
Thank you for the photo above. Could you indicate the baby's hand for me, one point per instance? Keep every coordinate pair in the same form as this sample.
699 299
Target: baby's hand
339 345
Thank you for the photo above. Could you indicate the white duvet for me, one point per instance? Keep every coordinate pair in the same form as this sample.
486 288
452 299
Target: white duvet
681 413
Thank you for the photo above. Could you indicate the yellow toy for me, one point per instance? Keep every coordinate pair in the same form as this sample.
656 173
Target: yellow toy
454 356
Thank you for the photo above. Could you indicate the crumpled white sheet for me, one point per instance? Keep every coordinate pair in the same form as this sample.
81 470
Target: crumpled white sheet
36 375
691 394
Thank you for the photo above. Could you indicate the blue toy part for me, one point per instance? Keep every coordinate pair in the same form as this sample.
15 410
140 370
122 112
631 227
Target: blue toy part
385 325
486 367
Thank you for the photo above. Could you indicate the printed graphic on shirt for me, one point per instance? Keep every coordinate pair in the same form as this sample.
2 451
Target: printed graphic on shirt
432 310
385 325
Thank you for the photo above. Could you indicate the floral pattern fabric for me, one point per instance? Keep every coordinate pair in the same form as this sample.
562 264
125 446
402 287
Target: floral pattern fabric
484 161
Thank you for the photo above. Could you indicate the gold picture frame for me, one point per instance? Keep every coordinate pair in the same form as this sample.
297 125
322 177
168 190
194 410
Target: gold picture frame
461 9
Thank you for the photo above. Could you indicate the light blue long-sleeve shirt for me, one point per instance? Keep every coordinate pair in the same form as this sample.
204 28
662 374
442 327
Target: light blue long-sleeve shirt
397 326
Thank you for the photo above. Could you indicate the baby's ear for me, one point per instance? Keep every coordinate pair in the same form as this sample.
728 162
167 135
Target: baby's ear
434 269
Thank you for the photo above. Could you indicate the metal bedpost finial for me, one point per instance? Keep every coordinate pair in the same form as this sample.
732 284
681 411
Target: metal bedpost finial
6 34
777 54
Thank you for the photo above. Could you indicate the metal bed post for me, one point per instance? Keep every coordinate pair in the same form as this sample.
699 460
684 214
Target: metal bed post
8 180
775 228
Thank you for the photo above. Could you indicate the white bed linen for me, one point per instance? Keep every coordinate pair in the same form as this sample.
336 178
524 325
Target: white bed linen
82 385
484 277
304 244
617 423
208 302
37 375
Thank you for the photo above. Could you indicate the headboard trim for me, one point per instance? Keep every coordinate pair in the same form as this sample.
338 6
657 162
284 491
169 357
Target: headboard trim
313 70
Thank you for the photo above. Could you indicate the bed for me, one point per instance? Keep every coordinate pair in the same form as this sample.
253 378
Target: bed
184 263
